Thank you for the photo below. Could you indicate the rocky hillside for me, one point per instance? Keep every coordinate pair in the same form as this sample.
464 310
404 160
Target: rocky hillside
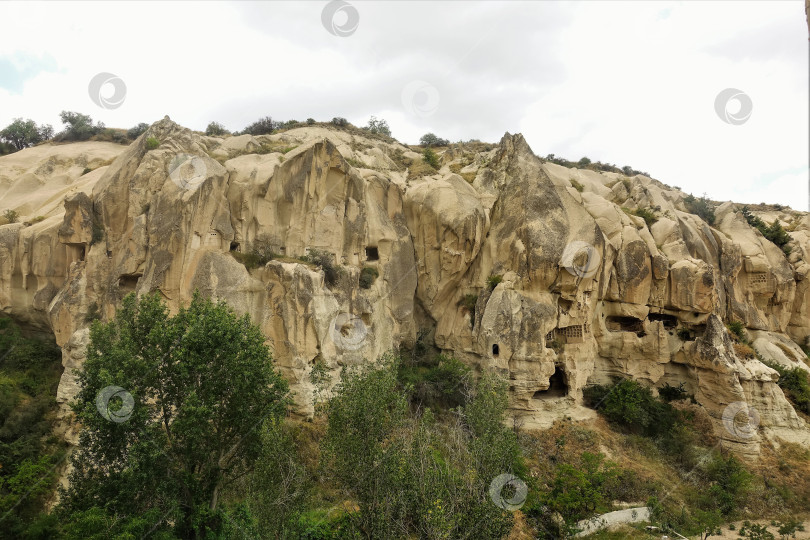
342 245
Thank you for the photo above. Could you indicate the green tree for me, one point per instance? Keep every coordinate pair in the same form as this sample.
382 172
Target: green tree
202 384
429 139
431 158
410 475
24 133
215 129
78 127
378 126
136 131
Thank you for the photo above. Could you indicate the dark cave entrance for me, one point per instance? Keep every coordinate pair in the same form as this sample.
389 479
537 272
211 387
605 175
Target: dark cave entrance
372 254
557 385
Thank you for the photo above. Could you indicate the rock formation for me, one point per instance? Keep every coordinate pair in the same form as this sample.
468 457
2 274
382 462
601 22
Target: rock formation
540 272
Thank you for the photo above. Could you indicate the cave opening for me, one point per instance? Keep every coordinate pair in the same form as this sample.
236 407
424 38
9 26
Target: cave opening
128 282
557 385
670 321
234 246
496 350
625 324
372 254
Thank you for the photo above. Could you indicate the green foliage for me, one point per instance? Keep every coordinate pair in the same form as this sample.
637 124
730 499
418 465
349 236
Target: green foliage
431 158
367 276
794 382
438 382
378 126
737 329
429 139
494 280
202 382
410 476
78 127
260 253
788 527
215 129
468 303
773 232
326 262
576 184
701 207
262 126
339 121
581 492
598 166
647 215
632 406
11 215
152 143
29 374
729 482
672 393
24 133
310 121
280 485
136 131
753 531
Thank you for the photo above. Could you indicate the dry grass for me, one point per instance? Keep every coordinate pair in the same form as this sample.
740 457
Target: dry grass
744 351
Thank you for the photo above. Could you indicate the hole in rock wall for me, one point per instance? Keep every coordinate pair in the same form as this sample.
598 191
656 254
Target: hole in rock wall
496 350
625 324
557 385
234 246
372 254
670 321
128 283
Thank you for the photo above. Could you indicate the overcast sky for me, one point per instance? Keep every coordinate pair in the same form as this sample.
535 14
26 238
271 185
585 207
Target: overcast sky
631 83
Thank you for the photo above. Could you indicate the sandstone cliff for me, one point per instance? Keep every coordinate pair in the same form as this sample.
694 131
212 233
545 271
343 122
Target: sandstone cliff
588 291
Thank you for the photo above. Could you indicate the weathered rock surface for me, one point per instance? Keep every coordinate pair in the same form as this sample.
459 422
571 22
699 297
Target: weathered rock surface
587 290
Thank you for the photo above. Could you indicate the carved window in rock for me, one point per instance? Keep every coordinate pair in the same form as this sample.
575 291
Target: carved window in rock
758 278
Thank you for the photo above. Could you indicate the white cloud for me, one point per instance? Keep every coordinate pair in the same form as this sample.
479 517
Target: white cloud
623 82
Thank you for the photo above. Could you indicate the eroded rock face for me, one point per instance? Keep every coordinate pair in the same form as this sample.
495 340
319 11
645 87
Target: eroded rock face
499 257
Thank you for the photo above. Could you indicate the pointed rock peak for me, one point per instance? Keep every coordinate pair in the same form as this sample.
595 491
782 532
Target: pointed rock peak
513 146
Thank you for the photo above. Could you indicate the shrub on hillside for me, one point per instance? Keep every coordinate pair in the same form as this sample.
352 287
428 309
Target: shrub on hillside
339 121
262 126
378 126
215 129
429 139
24 133
701 207
78 127
431 158
136 131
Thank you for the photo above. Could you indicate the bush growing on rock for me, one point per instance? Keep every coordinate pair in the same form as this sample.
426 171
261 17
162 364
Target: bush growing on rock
367 276
136 131
215 129
262 126
378 126
431 158
429 139
339 121
11 216
701 207
78 127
